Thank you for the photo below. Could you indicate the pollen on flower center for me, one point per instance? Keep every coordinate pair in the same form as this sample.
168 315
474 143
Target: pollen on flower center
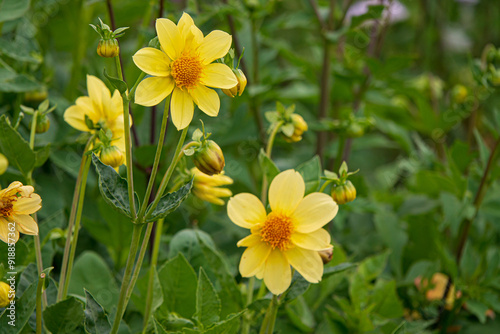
277 231
6 208
187 71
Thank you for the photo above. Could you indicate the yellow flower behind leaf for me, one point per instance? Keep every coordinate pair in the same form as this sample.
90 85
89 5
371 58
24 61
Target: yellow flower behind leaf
6 294
184 67
17 202
99 110
207 187
290 235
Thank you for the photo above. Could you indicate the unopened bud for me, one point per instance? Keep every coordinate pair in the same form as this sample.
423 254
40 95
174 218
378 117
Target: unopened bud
42 124
6 294
240 87
300 126
209 158
108 48
344 193
326 255
459 93
112 156
4 163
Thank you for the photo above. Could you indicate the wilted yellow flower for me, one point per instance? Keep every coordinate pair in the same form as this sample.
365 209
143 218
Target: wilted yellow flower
5 294
240 87
184 66
291 234
207 188
17 202
97 111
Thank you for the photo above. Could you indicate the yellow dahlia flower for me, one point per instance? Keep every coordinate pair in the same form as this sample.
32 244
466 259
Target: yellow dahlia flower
207 187
290 235
6 294
103 109
17 202
184 66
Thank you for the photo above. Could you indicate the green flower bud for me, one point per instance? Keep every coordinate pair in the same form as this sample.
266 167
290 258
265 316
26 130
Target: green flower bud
112 156
344 193
240 87
5 294
42 124
108 48
4 163
209 158
355 130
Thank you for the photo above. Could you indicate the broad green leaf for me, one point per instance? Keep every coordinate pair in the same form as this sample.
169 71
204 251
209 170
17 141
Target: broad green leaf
178 281
20 48
311 172
386 299
372 267
268 167
42 154
10 81
170 202
112 186
116 83
478 309
15 148
141 291
64 317
298 286
13 9
96 319
171 322
391 231
208 305
230 325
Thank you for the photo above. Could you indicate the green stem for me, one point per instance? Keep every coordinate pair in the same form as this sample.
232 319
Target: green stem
269 148
118 67
340 152
262 290
323 187
134 245
164 182
76 230
39 291
74 206
248 316
156 163
152 270
270 317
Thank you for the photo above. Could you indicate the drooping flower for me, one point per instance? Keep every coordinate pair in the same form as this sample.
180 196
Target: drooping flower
290 235
207 187
184 67
99 110
17 202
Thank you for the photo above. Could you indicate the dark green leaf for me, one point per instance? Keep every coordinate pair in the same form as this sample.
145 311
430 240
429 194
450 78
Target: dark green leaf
116 83
329 271
298 286
208 305
42 155
96 319
170 202
15 148
311 172
64 317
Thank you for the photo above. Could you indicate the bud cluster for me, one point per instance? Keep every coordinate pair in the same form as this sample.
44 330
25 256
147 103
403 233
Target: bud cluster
292 125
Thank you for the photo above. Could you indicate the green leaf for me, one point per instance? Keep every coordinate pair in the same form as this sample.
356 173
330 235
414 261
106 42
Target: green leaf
478 309
208 305
179 283
64 317
268 167
390 230
13 9
230 325
96 319
298 286
288 129
117 83
113 187
311 172
373 266
329 271
374 13
170 202
10 81
15 148
385 298
141 291
42 155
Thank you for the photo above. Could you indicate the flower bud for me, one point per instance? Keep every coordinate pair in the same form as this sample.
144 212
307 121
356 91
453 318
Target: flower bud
300 126
345 193
108 48
326 255
459 93
112 156
42 124
208 188
5 294
4 163
209 158
240 87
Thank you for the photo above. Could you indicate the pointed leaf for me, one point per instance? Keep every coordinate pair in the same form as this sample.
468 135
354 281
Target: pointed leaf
96 319
207 301
24 308
64 317
268 167
170 202
116 83
311 172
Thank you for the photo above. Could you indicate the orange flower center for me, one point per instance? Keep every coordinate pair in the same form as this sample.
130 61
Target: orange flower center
6 208
277 231
187 70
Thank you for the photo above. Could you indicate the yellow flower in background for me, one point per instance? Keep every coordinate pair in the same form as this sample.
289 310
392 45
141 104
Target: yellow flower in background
290 235
105 111
6 295
17 202
184 68
208 188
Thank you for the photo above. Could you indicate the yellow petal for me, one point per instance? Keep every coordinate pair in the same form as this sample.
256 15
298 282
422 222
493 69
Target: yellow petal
253 258
152 61
286 191
214 46
4 232
206 99
26 191
246 210
249 241
182 108
314 212
26 224
218 75
98 91
277 274
27 205
317 240
169 37
307 262
89 108
116 109
75 116
151 91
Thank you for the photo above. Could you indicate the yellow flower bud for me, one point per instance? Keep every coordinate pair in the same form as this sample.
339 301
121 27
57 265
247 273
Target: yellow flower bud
240 87
4 163
112 156
6 295
459 93
42 124
209 158
206 187
108 48
345 193
326 255
300 126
